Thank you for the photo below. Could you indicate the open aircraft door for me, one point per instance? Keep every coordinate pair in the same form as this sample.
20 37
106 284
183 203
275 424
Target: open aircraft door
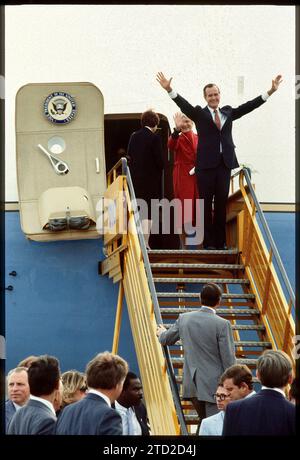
61 171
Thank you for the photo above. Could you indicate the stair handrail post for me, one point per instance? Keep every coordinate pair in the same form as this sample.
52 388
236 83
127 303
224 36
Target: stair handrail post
245 174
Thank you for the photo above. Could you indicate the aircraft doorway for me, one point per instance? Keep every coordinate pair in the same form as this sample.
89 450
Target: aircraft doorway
117 131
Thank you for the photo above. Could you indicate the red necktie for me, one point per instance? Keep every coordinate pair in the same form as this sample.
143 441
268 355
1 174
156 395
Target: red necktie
217 119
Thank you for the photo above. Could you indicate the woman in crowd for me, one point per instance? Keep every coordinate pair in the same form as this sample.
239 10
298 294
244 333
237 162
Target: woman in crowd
74 387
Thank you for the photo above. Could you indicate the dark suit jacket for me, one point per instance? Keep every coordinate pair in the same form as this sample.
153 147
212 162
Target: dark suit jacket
267 413
141 415
90 415
10 411
33 418
209 136
146 163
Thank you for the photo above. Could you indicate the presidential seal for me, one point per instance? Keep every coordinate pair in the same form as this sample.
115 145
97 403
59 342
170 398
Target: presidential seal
60 107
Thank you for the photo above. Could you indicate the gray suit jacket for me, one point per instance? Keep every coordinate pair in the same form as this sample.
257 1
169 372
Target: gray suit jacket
213 425
90 415
33 418
208 350
10 411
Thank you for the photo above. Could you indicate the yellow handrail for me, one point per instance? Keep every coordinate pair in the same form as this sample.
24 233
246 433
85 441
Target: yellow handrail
271 301
134 284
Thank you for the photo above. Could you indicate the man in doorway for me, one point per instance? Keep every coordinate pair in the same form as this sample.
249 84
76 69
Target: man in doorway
215 152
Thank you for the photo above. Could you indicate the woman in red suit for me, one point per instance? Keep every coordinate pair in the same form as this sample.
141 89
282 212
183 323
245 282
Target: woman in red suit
183 143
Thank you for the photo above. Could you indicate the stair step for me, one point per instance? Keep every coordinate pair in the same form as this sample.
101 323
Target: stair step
244 343
196 295
249 362
237 327
191 419
210 266
202 280
220 311
191 251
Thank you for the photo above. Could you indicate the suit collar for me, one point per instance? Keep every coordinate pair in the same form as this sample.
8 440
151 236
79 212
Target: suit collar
206 309
279 390
40 404
271 392
96 396
43 401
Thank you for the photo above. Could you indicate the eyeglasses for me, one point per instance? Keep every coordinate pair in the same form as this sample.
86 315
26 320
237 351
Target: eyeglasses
221 396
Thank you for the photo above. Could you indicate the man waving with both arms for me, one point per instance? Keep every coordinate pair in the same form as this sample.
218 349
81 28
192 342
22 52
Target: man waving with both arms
215 152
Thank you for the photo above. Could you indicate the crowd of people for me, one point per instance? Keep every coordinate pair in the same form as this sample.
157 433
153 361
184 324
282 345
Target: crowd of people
105 400
108 398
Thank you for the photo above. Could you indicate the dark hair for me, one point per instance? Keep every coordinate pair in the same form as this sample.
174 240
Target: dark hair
209 85
105 371
210 295
149 118
239 373
275 368
43 375
129 376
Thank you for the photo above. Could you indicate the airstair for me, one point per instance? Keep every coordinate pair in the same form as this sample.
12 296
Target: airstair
159 285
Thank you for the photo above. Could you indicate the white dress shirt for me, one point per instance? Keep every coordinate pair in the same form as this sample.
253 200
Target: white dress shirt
275 389
222 117
16 406
129 418
205 307
96 392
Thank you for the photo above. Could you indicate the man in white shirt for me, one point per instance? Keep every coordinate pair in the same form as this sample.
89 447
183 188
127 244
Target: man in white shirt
18 392
130 407
38 415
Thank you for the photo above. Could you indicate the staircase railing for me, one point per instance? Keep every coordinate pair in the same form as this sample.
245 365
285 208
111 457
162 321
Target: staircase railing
159 384
275 298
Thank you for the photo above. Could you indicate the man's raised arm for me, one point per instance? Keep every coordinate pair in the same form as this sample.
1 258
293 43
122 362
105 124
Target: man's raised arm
182 103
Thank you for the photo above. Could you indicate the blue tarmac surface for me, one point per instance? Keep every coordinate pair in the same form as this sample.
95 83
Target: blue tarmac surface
61 306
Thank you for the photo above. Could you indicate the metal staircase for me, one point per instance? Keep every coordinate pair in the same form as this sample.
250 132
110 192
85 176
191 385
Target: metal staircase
179 275
159 285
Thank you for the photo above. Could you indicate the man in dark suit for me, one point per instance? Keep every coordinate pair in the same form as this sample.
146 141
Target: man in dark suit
38 417
268 413
93 414
146 166
131 408
18 392
215 152
208 349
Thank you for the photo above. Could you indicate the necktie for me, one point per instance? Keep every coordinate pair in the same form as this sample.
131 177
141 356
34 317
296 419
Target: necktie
217 119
